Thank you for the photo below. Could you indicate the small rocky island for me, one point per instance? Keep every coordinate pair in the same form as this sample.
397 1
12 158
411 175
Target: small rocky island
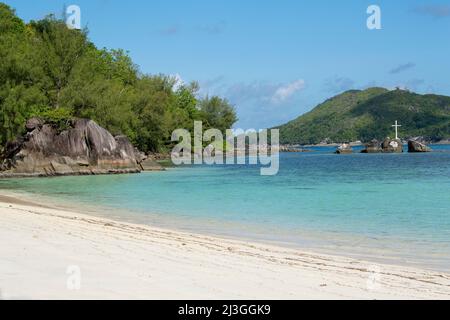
84 148
344 149
388 145
416 146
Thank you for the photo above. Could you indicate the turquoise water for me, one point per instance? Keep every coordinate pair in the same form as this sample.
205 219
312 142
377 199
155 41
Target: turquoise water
390 207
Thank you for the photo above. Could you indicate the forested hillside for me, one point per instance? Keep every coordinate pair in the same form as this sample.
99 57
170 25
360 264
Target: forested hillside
50 71
369 114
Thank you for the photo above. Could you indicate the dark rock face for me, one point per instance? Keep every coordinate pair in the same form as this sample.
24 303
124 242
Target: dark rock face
373 147
344 149
392 146
387 146
420 139
33 123
415 146
289 149
84 148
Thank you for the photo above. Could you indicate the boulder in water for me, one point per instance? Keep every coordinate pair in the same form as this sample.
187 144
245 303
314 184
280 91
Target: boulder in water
344 149
373 146
415 146
392 146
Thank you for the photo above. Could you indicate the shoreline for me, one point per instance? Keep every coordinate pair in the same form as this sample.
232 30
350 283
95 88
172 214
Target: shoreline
354 144
320 242
120 260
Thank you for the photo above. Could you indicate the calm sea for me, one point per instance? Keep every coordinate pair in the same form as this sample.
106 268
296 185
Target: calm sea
388 207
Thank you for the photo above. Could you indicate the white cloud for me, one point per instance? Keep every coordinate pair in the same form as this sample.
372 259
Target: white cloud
255 91
436 11
284 92
260 92
215 28
170 31
402 68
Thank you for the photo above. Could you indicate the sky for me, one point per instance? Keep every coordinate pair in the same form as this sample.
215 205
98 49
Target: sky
274 60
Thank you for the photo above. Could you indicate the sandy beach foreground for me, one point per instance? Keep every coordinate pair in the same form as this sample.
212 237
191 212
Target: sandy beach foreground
46 253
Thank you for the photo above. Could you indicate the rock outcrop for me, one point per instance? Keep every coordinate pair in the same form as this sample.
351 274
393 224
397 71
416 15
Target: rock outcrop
415 146
387 146
84 148
421 139
149 164
373 146
344 149
392 146
292 149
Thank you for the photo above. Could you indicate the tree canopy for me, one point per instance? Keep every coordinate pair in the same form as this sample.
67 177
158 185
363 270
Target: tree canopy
56 73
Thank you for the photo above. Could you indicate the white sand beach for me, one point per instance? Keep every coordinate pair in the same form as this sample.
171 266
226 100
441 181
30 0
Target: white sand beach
41 247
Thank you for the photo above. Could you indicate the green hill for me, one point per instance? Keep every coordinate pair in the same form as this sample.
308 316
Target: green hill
369 114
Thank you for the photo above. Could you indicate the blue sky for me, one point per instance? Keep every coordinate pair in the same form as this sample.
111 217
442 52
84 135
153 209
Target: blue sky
274 60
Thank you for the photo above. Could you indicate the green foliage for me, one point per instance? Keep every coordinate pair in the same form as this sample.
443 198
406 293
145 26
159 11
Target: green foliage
369 114
153 104
217 112
16 106
9 22
60 118
50 71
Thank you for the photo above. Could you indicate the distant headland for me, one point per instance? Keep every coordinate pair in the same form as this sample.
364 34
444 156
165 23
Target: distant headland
364 115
